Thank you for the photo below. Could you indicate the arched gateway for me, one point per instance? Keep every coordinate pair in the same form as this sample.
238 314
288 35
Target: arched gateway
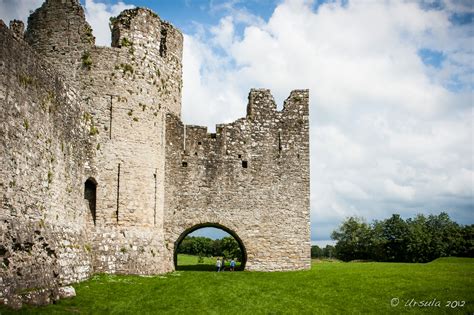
215 225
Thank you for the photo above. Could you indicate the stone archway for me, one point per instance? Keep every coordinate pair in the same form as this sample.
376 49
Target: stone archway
214 225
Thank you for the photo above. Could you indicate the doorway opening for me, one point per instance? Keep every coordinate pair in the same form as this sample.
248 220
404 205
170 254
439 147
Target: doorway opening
90 194
200 247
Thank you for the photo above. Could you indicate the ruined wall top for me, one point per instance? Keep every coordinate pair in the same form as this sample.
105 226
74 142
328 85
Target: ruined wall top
264 129
59 25
261 104
146 52
143 27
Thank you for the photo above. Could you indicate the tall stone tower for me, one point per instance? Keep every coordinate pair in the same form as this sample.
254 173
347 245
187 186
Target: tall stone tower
127 90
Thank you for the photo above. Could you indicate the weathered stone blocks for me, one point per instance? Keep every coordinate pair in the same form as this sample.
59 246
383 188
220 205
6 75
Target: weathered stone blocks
99 174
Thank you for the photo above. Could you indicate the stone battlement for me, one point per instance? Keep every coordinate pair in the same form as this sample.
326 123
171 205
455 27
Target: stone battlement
144 28
233 140
99 173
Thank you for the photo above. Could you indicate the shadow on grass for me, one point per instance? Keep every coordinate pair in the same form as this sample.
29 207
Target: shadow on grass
203 267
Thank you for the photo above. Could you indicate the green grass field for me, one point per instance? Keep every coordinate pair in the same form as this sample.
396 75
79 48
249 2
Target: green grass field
190 263
328 288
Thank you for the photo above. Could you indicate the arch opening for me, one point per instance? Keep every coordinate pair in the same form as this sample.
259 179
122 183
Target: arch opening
90 194
208 263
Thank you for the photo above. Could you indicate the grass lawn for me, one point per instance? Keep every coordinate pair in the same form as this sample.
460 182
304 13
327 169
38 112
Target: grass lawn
328 288
190 263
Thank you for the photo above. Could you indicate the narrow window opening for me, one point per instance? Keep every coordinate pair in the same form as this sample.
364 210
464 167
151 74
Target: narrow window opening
199 143
195 153
154 208
244 164
279 141
118 193
163 48
110 118
90 194
185 164
240 156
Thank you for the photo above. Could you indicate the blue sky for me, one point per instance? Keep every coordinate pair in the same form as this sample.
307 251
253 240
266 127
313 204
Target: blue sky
391 91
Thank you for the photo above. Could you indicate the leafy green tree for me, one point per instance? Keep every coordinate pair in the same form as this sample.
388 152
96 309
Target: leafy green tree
467 244
446 236
329 251
395 233
230 248
316 252
421 239
217 248
353 239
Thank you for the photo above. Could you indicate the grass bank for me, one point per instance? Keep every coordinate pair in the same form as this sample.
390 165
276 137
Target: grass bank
328 288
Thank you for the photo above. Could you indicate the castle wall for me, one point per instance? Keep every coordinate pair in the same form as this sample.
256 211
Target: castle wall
267 203
44 243
98 173
123 95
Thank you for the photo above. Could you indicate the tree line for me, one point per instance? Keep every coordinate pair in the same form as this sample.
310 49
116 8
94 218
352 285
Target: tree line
226 247
327 252
419 239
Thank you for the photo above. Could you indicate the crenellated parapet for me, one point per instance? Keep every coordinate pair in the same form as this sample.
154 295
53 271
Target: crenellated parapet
146 52
18 29
58 30
265 131
143 27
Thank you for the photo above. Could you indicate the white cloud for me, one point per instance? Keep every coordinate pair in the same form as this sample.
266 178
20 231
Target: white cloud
17 9
399 192
98 15
388 133
347 189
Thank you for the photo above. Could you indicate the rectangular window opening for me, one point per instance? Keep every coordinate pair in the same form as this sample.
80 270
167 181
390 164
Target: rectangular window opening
244 164
184 164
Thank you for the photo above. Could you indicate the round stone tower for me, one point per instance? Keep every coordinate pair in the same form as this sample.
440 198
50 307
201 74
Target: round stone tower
59 31
155 41
127 89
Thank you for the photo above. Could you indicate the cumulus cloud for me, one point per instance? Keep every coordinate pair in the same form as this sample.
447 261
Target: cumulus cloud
17 9
98 15
390 132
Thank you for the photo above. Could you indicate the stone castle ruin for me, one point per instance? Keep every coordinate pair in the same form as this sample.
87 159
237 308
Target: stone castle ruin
99 174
